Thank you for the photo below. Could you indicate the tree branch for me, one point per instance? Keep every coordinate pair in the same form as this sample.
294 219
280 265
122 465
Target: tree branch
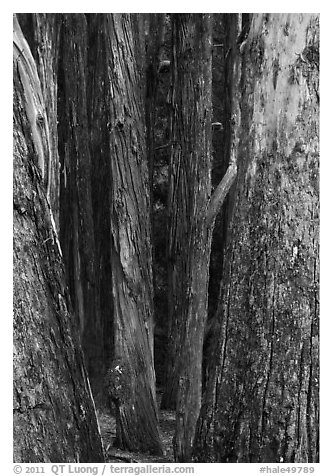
217 198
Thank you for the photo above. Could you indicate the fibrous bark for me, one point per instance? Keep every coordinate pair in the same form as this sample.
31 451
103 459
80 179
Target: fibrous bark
54 414
99 125
76 209
229 31
41 31
156 32
261 403
192 211
59 46
124 150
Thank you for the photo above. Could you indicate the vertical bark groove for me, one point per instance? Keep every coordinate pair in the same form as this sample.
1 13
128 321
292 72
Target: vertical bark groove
130 236
78 240
263 393
189 235
54 414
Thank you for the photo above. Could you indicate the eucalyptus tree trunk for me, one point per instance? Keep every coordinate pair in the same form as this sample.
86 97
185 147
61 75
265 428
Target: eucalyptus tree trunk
41 31
192 212
121 139
59 45
262 398
54 414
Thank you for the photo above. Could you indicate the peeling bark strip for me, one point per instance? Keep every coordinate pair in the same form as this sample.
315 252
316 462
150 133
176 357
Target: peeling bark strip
191 220
54 416
34 103
123 155
262 401
42 33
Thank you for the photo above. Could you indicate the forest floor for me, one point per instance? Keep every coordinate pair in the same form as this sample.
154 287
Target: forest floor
113 454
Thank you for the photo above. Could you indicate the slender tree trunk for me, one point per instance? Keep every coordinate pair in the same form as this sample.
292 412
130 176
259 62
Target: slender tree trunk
76 211
189 173
156 25
99 126
131 378
54 414
226 30
261 403
156 32
192 212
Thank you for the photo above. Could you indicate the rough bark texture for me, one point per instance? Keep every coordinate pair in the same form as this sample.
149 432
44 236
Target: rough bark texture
54 414
225 33
156 32
189 235
41 31
261 403
192 213
227 29
155 27
76 210
130 244
63 72
99 126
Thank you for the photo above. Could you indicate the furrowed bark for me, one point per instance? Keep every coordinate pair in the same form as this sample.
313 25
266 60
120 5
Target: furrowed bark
76 213
262 397
41 31
225 79
192 213
130 243
189 237
54 414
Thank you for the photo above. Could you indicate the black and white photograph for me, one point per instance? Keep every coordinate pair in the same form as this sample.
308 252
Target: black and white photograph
166 241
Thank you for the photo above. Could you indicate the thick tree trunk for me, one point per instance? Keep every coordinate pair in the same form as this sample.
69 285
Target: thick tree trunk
59 44
261 403
54 414
131 378
192 212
